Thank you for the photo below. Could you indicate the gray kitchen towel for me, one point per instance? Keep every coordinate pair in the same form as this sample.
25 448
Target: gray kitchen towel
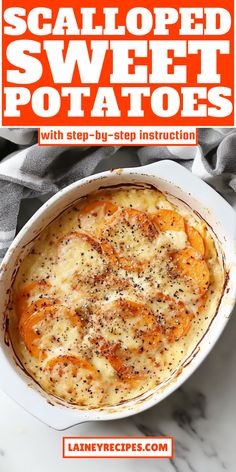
28 170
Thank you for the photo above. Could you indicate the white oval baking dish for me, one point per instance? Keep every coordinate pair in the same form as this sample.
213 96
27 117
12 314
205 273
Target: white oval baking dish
168 177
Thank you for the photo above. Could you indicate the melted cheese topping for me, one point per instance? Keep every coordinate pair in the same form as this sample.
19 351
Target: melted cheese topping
113 296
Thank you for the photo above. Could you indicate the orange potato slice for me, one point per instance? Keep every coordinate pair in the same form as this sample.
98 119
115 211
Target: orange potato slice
195 239
35 306
202 303
168 220
124 238
129 324
80 255
21 303
142 220
190 265
36 322
76 380
94 215
146 324
99 208
120 321
30 334
114 355
117 357
76 362
178 327
175 319
84 237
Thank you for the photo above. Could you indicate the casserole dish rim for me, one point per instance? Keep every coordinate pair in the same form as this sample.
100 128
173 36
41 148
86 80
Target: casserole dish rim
163 172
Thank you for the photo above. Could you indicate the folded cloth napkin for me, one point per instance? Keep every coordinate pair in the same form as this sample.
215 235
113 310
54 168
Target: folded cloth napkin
28 170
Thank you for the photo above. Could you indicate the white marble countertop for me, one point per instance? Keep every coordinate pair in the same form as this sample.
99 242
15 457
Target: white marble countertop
201 416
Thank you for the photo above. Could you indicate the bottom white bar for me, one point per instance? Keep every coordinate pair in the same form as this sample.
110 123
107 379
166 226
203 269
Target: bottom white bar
117 447
117 135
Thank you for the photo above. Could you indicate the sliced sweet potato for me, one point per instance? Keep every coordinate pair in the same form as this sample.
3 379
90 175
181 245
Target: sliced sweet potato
117 357
146 326
43 311
94 215
36 306
127 320
168 220
102 208
80 256
190 265
195 239
26 292
84 237
175 318
202 303
123 239
140 219
30 334
76 380
61 362
178 328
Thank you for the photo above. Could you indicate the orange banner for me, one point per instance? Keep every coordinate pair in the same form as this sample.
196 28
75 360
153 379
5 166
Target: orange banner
129 65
